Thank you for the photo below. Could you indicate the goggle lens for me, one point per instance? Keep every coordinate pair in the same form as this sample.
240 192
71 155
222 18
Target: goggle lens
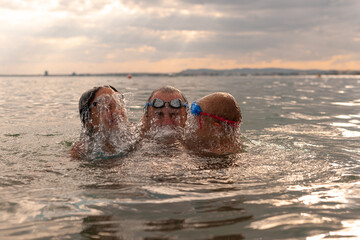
174 103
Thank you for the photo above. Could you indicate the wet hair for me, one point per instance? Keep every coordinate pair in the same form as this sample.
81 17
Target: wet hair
85 102
221 104
167 89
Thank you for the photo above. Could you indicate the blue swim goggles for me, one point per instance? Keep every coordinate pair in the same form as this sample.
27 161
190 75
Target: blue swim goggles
196 110
174 103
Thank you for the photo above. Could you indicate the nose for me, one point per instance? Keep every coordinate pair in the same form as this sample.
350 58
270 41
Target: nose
167 116
116 112
167 120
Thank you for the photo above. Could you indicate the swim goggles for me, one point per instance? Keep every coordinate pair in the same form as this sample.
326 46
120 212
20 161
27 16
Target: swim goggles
196 110
174 103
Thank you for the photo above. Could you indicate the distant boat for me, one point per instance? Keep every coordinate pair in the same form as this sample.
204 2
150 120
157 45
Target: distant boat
129 76
318 75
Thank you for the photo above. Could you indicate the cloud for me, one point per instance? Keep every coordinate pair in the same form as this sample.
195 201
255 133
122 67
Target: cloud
238 33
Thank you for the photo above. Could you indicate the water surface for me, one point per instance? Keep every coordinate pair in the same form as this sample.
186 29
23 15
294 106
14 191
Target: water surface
298 177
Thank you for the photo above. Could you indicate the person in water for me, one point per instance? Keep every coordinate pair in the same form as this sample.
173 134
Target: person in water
213 127
166 107
105 124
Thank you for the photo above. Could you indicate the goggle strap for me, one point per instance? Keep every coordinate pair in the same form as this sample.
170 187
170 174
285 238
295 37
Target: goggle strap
200 120
232 123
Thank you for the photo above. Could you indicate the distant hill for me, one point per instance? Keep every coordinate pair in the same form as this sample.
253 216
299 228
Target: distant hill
260 71
204 72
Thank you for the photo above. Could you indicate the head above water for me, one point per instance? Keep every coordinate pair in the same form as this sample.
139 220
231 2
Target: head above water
166 106
216 115
220 107
94 102
86 100
213 128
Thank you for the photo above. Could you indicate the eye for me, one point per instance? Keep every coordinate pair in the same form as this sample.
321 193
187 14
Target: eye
159 114
94 104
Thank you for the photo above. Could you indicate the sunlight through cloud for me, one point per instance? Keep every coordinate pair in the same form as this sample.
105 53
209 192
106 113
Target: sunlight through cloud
247 34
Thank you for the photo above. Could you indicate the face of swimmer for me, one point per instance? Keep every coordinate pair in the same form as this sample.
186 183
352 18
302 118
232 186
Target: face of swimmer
107 110
167 115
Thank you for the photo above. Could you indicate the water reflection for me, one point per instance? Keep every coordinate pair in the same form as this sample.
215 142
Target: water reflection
350 103
169 222
215 163
350 230
348 133
108 227
298 176
101 227
282 222
178 224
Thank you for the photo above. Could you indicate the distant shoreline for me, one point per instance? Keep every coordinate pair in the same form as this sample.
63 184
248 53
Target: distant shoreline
203 72
83 75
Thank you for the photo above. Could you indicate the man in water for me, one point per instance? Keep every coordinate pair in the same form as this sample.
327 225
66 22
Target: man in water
105 124
166 107
214 124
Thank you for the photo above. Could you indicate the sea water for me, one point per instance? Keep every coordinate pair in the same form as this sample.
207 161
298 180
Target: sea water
297 178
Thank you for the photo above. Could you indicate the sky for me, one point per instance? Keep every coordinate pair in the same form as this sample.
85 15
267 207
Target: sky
166 36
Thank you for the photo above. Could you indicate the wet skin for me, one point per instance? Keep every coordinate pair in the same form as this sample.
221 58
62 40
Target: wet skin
166 116
107 111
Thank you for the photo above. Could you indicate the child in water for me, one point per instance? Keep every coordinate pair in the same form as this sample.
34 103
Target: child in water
106 131
213 128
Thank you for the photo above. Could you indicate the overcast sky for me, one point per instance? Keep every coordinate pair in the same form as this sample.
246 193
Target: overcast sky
98 36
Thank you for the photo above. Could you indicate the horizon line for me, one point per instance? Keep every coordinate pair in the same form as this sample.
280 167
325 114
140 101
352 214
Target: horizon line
46 72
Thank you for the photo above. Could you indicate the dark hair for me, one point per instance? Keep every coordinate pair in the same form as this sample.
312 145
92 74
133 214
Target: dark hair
85 101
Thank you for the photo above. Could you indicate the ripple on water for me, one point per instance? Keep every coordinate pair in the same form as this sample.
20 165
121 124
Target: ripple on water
15 180
349 103
284 222
295 115
297 177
